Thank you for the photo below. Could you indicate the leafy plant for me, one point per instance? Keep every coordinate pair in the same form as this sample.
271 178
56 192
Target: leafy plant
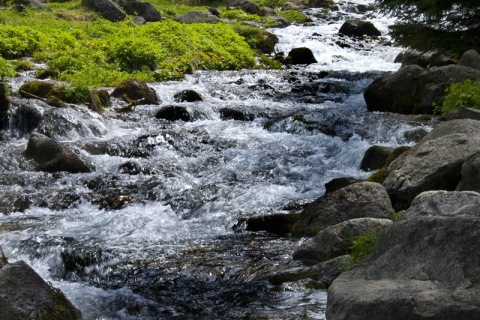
5 70
363 246
466 94
293 16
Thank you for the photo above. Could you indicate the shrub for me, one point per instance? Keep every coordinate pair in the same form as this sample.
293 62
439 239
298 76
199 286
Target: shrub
466 94
293 16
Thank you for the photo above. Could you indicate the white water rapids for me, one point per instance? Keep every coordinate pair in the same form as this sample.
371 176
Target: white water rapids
172 253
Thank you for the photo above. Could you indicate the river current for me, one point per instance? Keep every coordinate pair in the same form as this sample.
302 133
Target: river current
148 234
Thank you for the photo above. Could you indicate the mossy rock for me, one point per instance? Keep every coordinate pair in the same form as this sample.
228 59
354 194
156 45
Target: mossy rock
375 158
378 176
47 73
134 90
42 89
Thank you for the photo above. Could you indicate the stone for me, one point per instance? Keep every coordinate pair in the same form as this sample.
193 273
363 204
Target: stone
301 56
279 224
53 156
425 266
359 28
471 59
37 5
25 292
187 96
327 271
3 259
338 183
470 174
197 16
4 106
375 158
174 113
464 113
106 8
435 163
359 200
320 3
27 118
336 240
137 91
143 9
232 114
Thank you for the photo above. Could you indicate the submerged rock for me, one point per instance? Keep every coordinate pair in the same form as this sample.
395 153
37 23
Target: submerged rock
27 118
425 266
301 56
137 91
174 113
53 156
187 96
359 28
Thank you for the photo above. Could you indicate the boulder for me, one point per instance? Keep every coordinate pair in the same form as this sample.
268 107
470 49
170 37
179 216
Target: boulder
470 173
48 73
233 114
251 8
336 240
143 9
435 163
301 56
37 5
26 293
464 113
106 8
413 89
197 16
470 59
320 3
135 90
338 183
53 156
279 224
39 89
425 266
375 158
3 259
174 113
359 28
359 200
27 118
4 106
187 96
235 4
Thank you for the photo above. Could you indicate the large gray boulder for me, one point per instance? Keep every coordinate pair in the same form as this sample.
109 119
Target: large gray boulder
54 156
27 296
471 59
143 9
435 163
425 266
470 180
106 8
358 200
337 239
197 16
413 89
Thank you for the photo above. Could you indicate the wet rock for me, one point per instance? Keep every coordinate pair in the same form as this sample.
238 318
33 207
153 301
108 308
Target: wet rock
320 3
470 59
187 96
3 259
413 89
435 163
99 100
423 267
464 113
470 172
7 312
56 102
336 240
174 113
144 9
301 56
197 16
25 292
53 156
4 106
27 118
375 158
135 90
106 8
279 224
232 114
359 28
130 167
339 183
43 74
359 200
42 89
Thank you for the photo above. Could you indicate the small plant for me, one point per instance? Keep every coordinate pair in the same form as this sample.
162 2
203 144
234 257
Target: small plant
466 94
363 246
293 16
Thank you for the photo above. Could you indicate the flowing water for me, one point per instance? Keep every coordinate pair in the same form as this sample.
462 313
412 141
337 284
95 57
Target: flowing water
148 234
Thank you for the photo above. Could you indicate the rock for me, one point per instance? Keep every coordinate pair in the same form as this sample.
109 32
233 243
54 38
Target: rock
99 100
327 271
359 200
435 163
425 266
43 74
279 224
251 8
53 156
320 3
7 312
375 158
25 292
413 89
235 4
301 56
187 96
3 259
338 183
470 173
232 114
464 113
137 91
214 11
37 5
197 16
174 113
27 118
336 240
292 6
4 106
470 59
144 9
130 167
359 28
106 8
56 102
415 57
42 89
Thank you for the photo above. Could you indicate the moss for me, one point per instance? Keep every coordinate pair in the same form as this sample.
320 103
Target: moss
40 89
396 153
379 176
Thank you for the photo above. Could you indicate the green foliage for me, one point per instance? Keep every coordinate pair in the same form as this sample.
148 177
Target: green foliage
436 24
5 70
466 94
363 246
293 16
240 15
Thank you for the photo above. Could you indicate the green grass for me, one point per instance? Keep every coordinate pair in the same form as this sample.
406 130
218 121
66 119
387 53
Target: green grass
466 94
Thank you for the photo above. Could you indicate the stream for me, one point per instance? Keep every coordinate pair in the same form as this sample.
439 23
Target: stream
149 234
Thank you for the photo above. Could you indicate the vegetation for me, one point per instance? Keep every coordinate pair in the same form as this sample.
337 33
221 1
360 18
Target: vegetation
466 94
363 246
452 25
91 52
